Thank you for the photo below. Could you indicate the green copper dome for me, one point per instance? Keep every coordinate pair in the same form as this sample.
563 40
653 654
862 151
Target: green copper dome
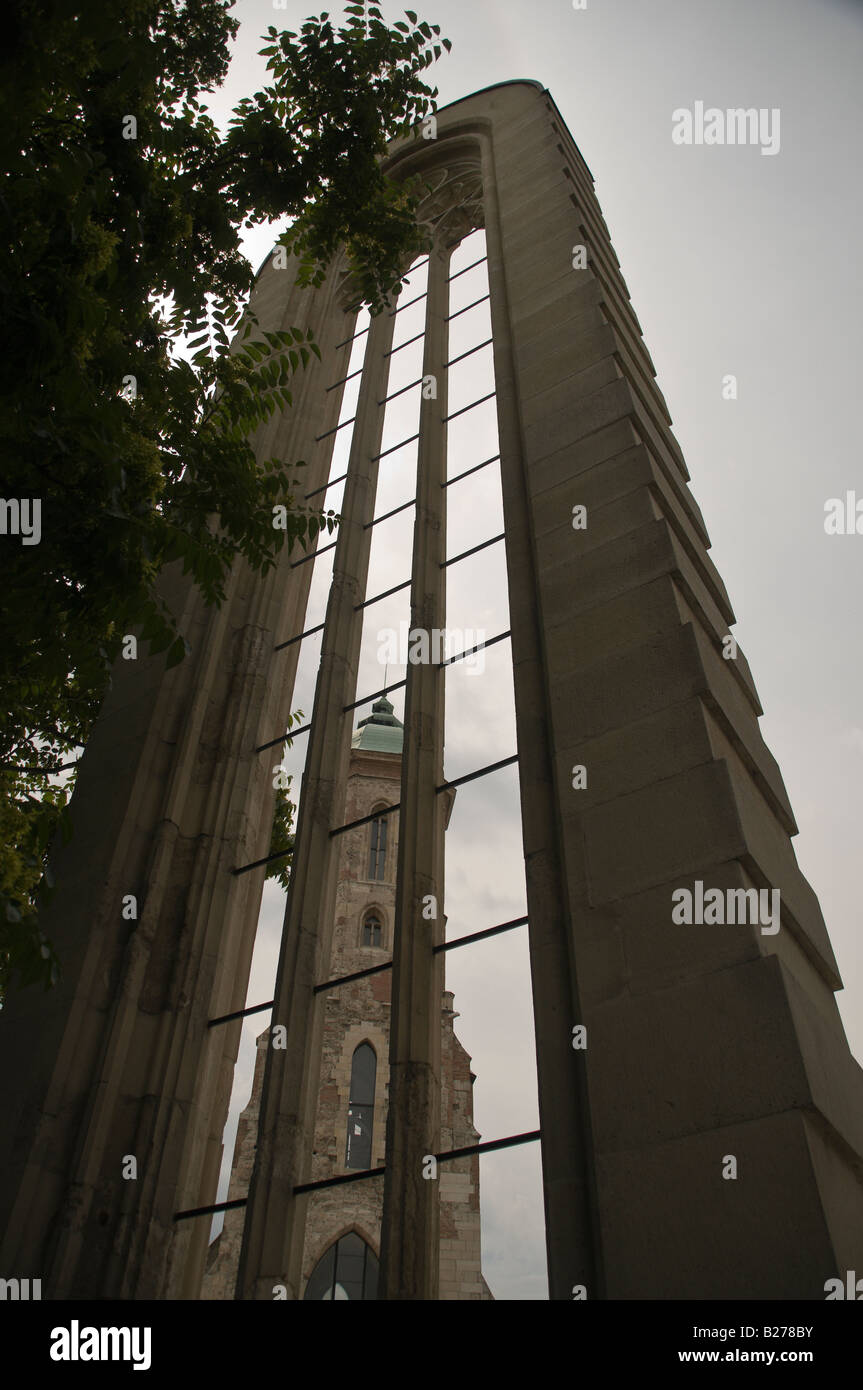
382 732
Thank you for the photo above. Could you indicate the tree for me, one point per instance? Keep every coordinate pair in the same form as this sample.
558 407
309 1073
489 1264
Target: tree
122 215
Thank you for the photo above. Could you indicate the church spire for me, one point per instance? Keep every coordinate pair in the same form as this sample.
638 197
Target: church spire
381 731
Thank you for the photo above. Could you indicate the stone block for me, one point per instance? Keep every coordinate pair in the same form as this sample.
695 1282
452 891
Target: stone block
678 1061
530 334
566 354
768 1236
679 827
580 640
574 459
622 760
565 427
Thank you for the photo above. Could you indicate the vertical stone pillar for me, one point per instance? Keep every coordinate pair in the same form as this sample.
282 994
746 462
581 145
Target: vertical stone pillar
705 1042
171 796
569 1179
643 771
273 1237
409 1231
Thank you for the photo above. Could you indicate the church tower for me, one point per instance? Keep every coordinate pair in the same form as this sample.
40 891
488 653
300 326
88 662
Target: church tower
343 1221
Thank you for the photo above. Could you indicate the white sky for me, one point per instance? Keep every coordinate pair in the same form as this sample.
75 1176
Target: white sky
736 263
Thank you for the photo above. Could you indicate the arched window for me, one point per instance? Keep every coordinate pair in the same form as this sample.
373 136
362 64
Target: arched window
361 1108
378 848
349 1269
373 932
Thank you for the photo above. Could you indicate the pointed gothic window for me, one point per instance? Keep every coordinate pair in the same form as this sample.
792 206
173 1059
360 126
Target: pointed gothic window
348 1270
373 932
378 848
361 1108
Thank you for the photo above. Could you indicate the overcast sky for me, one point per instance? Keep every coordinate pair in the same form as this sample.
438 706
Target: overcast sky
737 263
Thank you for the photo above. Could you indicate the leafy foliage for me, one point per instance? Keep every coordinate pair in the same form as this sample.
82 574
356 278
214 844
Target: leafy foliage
121 218
282 838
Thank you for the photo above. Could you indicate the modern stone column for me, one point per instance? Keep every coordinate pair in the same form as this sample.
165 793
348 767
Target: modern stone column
410 1264
273 1237
703 1042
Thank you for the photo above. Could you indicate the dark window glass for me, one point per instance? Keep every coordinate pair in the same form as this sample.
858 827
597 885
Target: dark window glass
378 848
372 931
321 1283
348 1270
361 1108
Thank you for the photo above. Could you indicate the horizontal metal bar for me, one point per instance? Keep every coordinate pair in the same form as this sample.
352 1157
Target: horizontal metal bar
322 550
357 975
415 300
291 640
473 550
469 353
477 466
472 406
378 693
352 338
377 969
401 391
367 602
365 820
479 935
472 776
447 1157
490 1146
394 448
345 379
450 661
338 1182
267 859
481 646
211 1211
241 1013
292 733
406 343
386 516
45 771
326 487
334 430
467 268
466 307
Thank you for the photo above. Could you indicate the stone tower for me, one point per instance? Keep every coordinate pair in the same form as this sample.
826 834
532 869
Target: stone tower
350 1127
643 774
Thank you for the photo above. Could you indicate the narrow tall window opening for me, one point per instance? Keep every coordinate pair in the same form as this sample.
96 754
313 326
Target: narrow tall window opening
361 1108
372 934
378 848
